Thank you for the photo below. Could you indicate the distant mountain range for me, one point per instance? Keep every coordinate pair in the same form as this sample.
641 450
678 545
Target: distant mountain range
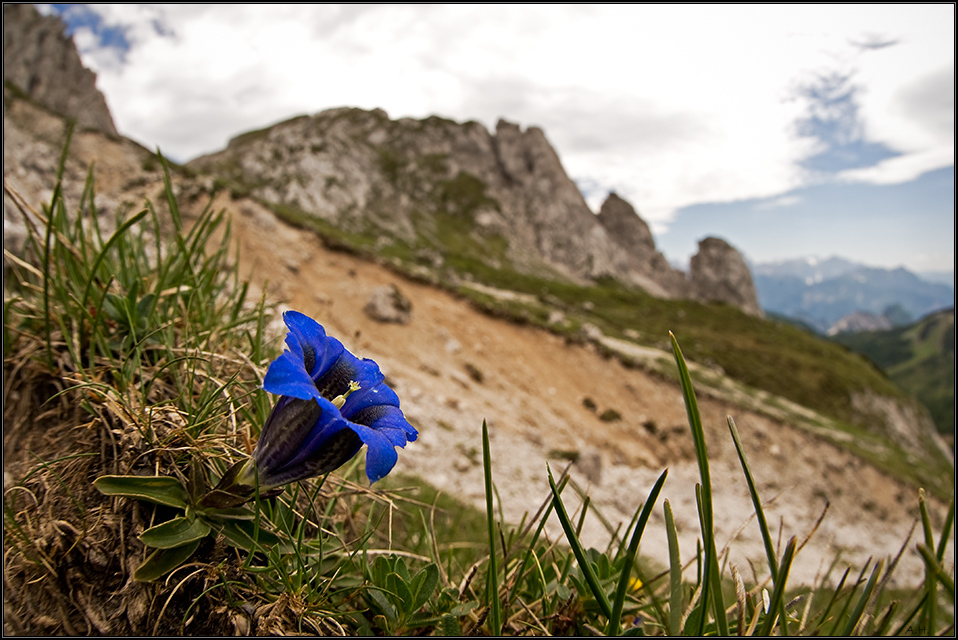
821 293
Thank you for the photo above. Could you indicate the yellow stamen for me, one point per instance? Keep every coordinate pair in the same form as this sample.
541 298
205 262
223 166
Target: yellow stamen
340 400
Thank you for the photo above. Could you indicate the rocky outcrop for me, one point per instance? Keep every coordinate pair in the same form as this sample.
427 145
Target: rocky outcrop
630 232
419 181
621 220
859 321
387 303
718 273
44 64
435 186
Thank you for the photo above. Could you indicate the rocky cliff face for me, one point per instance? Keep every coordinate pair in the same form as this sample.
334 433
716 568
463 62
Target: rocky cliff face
630 232
414 181
44 64
719 274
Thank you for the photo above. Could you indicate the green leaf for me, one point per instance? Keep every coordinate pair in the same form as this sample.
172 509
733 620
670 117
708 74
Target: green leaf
144 306
401 589
175 533
449 626
245 535
423 585
381 602
157 489
228 513
381 569
399 566
219 500
162 561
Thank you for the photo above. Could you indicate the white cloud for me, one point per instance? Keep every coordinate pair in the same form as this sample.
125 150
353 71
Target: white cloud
667 105
904 168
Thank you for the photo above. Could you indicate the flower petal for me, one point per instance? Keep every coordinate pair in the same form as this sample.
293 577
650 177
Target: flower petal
347 368
287 377
386 418
366 397
308 342
302 447
290 422
337 449
381 454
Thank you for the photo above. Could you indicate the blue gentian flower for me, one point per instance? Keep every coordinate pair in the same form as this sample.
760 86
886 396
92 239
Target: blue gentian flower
332 403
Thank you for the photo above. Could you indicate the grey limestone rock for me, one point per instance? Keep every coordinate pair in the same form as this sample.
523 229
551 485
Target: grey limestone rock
718 273
43 62
629 231
388 304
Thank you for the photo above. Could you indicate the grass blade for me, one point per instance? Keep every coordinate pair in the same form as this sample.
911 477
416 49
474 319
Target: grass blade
863 600
675 574
930 614
623 585
493 584
117 235
776 602
759 514
711 578
577 549
935 568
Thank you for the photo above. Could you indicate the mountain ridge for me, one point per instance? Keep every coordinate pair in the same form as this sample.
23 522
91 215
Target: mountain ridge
503 192
823 293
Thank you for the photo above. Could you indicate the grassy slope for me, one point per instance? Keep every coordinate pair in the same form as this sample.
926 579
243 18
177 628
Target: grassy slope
919 358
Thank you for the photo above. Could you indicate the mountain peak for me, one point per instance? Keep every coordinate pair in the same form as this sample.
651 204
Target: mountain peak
419 182
42 62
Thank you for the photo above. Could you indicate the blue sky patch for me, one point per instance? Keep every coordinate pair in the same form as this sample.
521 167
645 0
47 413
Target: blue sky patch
880 225
77 16
833 120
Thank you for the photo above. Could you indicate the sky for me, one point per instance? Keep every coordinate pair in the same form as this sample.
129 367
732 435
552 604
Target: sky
789 131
